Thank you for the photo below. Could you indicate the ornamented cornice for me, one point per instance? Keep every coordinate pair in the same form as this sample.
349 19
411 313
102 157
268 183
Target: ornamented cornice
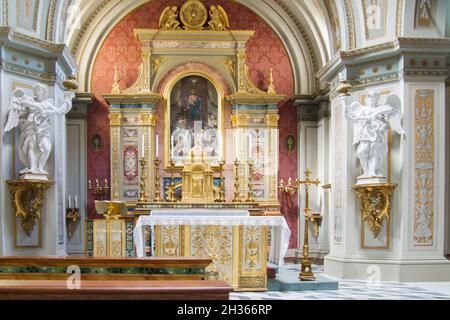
399 18
350 24
51 20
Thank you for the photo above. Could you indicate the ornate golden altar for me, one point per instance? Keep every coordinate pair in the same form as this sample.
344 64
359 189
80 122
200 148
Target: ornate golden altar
209 51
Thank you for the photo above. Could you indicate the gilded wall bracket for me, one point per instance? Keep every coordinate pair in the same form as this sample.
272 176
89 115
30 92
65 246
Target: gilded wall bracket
376 201
28 198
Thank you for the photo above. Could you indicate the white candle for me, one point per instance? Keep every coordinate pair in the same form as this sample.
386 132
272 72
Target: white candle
142 146
157 146
171 143
76 201
250 147
69 201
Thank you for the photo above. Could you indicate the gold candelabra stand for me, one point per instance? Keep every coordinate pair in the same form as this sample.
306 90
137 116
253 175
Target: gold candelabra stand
143 196
171 189
72 216
250 183
237 196
157 184
98 191
222 184
306 273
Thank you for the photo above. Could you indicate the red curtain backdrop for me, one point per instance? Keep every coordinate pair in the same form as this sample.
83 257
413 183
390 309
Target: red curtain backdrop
265 50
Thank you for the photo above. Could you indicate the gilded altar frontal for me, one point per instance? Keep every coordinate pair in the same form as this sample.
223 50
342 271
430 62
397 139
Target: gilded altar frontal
224 149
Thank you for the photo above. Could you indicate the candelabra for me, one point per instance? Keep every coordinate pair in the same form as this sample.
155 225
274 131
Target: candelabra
98 191
171 191
306 273
250 182
157 184
72 216
143 197
288 188
222 185
237 196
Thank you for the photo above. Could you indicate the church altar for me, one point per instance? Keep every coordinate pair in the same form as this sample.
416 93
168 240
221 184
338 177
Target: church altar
234 240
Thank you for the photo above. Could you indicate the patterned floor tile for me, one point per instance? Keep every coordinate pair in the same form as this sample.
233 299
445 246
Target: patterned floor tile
357 290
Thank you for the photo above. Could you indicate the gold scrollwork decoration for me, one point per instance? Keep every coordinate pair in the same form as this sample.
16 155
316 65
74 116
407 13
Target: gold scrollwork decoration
376 201
28 198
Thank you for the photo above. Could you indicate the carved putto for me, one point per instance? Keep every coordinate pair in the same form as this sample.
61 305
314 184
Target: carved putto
32 115
193 16
370 125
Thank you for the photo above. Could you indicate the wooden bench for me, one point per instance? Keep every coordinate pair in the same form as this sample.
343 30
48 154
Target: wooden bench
114 290
56 268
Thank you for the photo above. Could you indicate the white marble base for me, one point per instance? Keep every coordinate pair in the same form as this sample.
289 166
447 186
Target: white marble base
413 270
370 180
34 176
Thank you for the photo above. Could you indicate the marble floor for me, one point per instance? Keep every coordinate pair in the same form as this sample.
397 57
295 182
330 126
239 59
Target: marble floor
358 290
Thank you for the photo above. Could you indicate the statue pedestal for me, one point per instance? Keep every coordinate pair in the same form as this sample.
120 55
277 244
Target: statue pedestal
370 180
34 176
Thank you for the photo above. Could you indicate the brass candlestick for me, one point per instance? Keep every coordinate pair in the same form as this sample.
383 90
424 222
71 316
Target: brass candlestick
157 184
143 185
237 196
250 182
222 185
306 273
72 216
171 191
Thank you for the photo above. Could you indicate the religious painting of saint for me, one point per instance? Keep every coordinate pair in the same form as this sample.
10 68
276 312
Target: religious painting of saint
194 113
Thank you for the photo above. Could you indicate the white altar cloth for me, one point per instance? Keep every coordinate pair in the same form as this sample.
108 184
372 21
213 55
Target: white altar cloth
199 212
279 239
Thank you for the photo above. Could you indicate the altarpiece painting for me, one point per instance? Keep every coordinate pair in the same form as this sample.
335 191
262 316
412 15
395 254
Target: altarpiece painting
194 120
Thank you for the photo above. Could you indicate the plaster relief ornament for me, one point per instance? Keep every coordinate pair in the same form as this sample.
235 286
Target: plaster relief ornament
32 115
370 126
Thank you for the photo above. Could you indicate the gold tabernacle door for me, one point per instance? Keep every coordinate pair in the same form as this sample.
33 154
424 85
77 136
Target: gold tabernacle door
197 179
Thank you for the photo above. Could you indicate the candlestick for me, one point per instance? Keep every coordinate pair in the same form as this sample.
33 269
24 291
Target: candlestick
76 201
250 182
89 184
143 184
237 196
157 184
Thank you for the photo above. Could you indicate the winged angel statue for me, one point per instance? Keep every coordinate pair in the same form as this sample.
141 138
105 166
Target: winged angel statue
219 18
370 125
32 116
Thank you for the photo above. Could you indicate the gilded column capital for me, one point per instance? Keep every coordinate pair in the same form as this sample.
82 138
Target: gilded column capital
115 119
239 120
147 119
272 120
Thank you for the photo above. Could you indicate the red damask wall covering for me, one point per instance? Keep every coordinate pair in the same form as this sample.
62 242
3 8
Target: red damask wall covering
265 50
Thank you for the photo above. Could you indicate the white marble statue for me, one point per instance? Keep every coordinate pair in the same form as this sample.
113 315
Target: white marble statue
370 125
32 115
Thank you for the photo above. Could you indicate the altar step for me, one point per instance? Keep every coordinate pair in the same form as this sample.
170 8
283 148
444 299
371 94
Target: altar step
114 290
287 280
133 269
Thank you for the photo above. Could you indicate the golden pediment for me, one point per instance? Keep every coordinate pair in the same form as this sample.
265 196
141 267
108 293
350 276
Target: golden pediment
193 15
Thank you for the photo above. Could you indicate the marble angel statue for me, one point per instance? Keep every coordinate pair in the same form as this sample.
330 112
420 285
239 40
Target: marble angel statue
32 116
370 125
219 18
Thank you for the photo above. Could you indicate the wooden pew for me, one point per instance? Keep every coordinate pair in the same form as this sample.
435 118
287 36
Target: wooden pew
114 290
133 269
